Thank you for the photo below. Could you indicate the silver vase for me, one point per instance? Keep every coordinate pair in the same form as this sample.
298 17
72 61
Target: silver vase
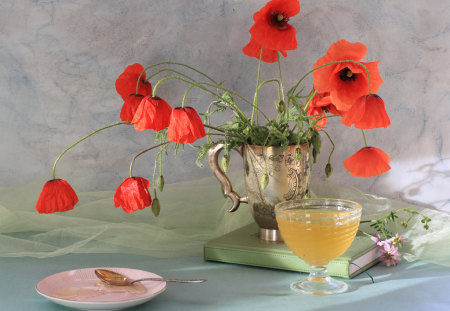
288 180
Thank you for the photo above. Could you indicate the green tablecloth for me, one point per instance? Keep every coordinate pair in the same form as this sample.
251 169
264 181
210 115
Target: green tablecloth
408 286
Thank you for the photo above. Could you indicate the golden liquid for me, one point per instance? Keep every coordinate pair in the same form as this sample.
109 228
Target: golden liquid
316 236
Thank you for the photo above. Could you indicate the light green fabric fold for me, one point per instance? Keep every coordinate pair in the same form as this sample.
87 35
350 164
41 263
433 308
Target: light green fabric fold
191 214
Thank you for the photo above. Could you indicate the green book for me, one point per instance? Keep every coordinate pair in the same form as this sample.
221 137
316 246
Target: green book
243 246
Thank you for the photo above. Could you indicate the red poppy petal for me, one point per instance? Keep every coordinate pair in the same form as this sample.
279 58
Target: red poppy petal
368 112
375 78
367 162
56 196
355 113
152 113
273 38
343 49
196 124
133 194
320 116
127 81
340 50
185 126
130 106
289 8
253 49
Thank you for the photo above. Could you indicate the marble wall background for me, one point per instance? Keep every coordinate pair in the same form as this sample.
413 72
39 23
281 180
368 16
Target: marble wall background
59 60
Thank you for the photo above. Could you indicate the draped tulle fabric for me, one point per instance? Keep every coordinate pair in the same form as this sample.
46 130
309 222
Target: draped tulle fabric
191 214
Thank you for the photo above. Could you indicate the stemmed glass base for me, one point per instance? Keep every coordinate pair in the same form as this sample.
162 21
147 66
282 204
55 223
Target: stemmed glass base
319 283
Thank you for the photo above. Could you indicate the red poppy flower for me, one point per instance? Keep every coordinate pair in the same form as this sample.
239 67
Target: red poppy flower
346 82
271 29
130 106
185 126
133 194
127 81
368 162
253 49
367 112
152 113
56 196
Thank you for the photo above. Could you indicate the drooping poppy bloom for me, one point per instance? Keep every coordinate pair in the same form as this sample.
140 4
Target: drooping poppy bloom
130 106
185 126
127 81
133 194
152 113
271 29
56 196
253 49
368 162
347 81
367 112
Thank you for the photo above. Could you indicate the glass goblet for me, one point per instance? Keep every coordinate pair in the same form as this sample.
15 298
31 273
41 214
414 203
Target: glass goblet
317 231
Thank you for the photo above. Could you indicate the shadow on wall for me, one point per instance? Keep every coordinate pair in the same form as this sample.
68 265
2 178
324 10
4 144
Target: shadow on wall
430 175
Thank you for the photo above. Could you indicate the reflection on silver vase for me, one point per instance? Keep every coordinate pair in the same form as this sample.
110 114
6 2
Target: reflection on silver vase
288 180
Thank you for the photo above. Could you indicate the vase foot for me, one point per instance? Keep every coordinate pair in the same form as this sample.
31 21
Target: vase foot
270 235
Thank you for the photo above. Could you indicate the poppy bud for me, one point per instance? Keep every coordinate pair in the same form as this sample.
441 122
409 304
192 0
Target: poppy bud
225 163
316 141
328 170
156 207
160 183
281 106
265 181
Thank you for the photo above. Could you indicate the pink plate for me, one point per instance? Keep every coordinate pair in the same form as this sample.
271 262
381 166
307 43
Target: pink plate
81 289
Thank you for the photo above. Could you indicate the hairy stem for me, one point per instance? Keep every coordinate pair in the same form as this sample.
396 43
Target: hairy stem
79 141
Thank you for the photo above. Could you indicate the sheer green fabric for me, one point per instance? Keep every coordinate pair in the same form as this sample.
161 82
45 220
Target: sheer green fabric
191 214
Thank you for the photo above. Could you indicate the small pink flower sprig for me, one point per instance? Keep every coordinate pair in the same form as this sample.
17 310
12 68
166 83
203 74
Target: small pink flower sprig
389 244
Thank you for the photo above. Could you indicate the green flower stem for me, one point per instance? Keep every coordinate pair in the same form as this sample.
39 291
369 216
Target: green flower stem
281 78
173 63
332 63
201 86
170 70
79 141
281 87
255 97
364 137
214 128
305 108
142 152
185 94
158 156
332 146
271 80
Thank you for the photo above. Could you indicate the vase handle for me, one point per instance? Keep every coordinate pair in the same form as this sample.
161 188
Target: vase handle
213 161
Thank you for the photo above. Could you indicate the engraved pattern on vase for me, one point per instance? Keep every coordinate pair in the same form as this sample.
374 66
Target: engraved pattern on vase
288 179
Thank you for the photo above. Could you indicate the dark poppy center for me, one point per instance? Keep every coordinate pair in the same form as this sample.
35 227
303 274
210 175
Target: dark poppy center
278 19
347 75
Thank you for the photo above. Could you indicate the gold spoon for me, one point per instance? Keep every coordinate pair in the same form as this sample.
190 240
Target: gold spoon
117 279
